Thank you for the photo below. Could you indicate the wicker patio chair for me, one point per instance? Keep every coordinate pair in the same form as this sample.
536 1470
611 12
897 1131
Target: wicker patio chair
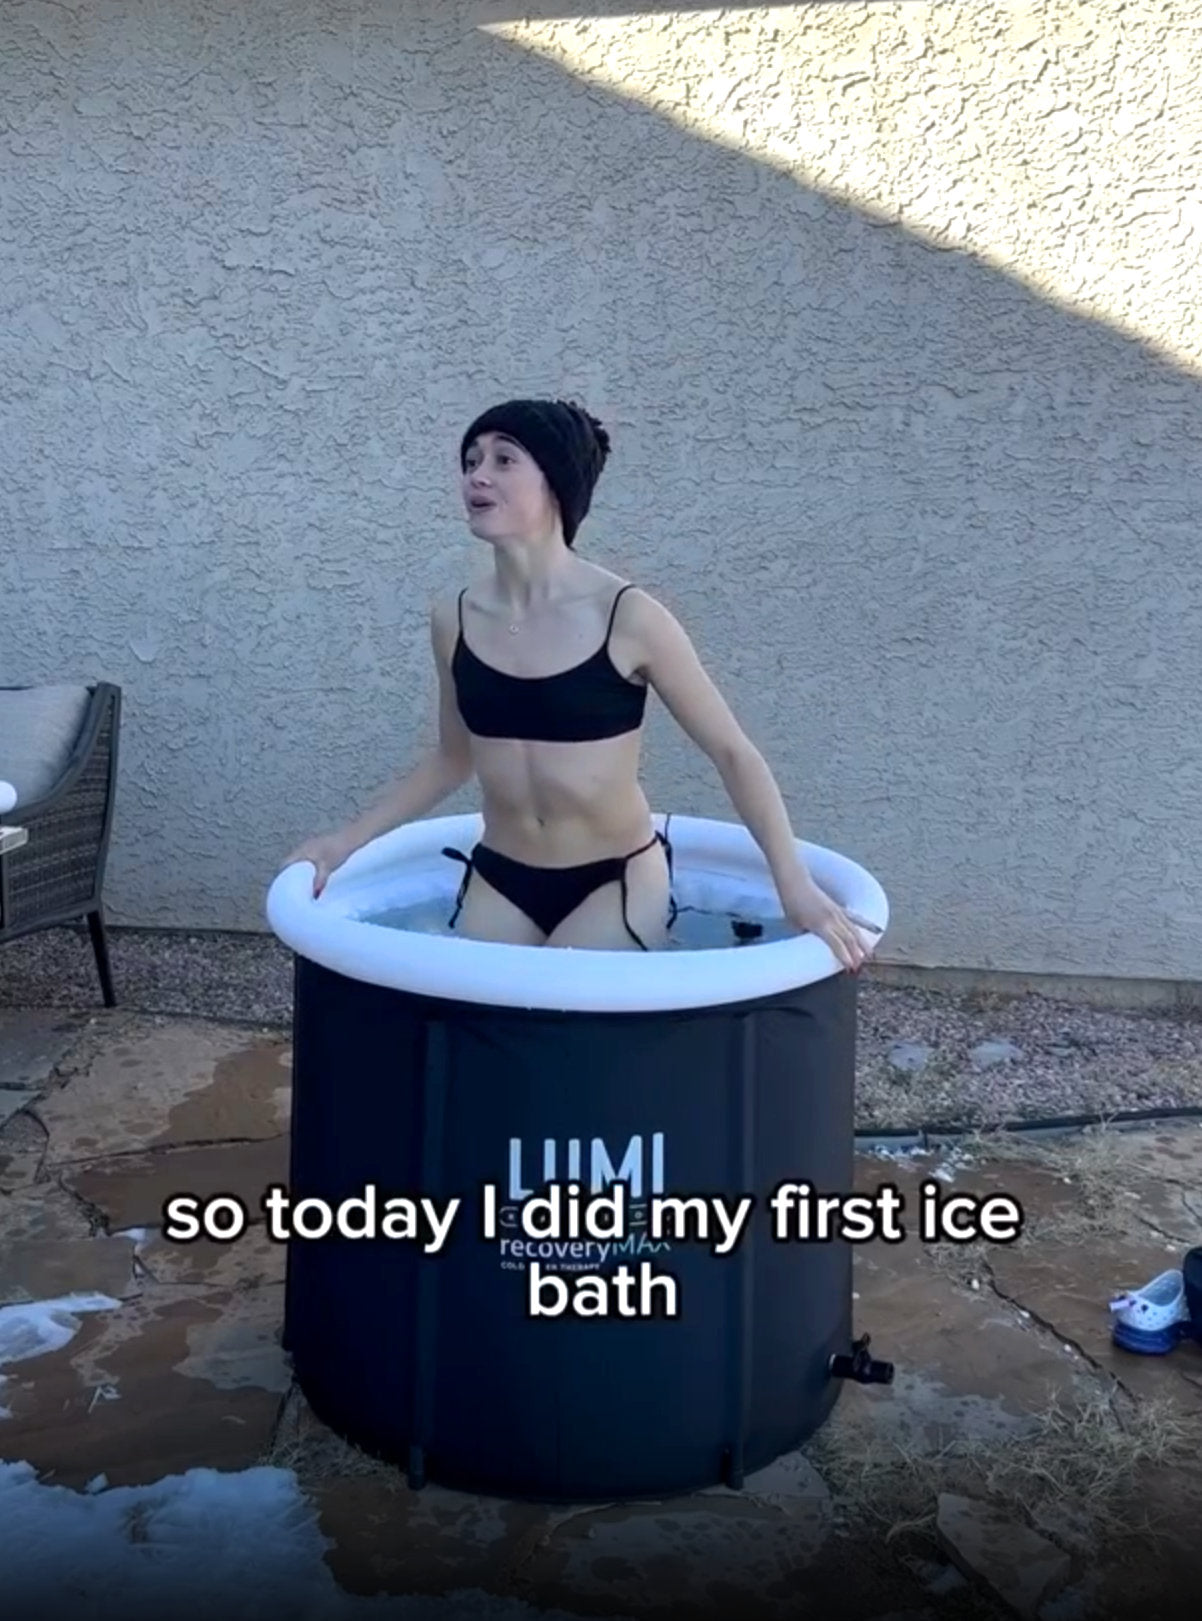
57 876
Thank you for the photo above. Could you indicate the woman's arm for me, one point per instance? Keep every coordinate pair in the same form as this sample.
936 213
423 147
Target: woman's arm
447 767
671 666
444 769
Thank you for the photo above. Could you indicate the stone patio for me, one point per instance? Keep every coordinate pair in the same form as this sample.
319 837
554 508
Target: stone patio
1018 1465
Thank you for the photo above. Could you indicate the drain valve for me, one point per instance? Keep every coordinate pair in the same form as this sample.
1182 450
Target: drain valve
864 1369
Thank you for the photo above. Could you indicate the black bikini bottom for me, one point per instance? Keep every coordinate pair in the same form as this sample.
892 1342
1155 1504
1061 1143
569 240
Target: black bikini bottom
549 894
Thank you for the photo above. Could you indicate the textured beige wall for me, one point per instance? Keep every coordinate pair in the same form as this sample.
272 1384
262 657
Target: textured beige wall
893 313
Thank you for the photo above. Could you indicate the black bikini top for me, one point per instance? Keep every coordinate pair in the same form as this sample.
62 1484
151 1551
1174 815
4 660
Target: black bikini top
588 702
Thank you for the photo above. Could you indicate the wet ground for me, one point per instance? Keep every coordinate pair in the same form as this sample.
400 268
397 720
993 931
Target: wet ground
1019 1464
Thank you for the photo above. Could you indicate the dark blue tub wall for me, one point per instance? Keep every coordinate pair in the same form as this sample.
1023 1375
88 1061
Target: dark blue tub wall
432 1362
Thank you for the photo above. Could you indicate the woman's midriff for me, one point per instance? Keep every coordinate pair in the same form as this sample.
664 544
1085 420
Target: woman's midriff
562 804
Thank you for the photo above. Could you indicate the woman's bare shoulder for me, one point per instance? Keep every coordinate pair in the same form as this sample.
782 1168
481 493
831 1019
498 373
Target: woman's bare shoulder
647 633
444 620
641 607
609 584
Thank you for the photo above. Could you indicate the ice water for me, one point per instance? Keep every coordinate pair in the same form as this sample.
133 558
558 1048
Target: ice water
693 930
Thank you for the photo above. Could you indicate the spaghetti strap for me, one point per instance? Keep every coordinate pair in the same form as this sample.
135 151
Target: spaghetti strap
613 612
462 594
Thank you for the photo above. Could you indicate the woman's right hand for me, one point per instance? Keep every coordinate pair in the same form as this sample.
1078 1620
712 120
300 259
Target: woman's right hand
327 852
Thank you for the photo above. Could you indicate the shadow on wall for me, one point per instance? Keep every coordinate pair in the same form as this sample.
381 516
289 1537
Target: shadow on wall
934 534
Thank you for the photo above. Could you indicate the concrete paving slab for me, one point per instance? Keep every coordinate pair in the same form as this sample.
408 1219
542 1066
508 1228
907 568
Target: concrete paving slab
43 1212
1172 1152
45 1269
1161 1174
388 1539
1068 1287
239 1347
965 1361
187 1370
166 1382
249 1261
696 1556
790 1485
741 1562
1019 1564
131 1190
159 1084
1151 1179
33 1042
22 1150
12 1102
716 1553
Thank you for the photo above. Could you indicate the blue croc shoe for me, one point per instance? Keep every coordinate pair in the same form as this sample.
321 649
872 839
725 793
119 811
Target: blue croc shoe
1154 1319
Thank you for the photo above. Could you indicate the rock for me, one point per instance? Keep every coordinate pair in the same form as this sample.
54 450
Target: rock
32 1044
908 1057
1068 1523
1021 1567
790 1485
987 1054
1072 1042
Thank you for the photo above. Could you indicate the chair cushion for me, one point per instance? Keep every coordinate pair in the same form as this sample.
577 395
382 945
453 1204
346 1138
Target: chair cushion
38 729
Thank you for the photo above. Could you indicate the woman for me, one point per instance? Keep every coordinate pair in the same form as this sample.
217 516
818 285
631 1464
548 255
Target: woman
543 671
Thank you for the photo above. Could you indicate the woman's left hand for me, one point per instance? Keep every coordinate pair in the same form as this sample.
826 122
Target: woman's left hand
811 911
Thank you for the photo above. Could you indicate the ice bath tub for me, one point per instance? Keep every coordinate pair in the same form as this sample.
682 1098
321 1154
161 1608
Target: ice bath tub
431 1066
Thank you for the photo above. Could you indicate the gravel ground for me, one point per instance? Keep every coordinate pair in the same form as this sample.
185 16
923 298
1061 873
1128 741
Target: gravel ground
1073 1059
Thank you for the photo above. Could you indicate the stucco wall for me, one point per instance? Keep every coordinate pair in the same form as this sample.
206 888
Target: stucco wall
892 312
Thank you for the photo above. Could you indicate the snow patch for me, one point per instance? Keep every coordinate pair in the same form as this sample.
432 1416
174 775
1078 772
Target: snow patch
37 1327
137 1236
239 1545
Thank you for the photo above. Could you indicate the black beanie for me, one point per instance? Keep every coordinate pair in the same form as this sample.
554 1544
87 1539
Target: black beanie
568 444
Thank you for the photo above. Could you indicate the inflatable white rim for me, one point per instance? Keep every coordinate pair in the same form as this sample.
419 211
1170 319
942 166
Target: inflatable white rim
329 930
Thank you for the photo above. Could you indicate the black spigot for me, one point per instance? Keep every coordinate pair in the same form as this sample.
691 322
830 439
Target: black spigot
745 932
861 1367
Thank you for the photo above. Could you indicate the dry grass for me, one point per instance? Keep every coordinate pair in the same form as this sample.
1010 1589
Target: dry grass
1093 1162
317 1456
1085 1458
